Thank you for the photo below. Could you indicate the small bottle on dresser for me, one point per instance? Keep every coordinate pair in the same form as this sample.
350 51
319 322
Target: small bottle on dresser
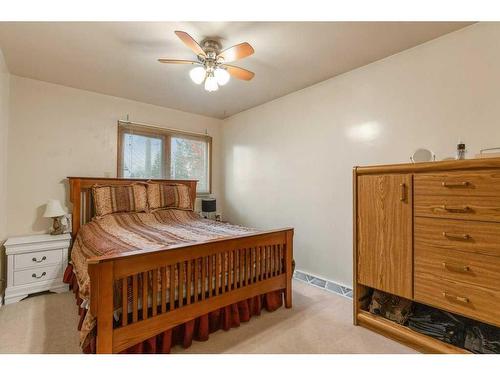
460 151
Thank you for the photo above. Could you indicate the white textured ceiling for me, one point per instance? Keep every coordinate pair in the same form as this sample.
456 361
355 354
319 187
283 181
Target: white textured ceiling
119 58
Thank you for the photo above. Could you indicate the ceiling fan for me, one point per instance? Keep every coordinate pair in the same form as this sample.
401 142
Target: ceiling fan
211 60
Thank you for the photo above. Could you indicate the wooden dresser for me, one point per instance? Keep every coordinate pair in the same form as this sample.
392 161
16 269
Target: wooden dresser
429 232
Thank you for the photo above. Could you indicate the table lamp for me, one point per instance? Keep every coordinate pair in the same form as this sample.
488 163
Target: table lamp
55 211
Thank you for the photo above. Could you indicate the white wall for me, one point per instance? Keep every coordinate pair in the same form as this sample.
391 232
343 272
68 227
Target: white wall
289 162
4 122
57 131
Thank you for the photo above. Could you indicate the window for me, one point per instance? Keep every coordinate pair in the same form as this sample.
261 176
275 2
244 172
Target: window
150 152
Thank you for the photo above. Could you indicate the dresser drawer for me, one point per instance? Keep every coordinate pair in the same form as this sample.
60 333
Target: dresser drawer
39 274
37 259
470 268
462 235
474 302
463 184
457 207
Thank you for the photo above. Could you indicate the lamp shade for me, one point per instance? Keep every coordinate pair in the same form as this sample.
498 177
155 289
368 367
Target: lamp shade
209 205
54 209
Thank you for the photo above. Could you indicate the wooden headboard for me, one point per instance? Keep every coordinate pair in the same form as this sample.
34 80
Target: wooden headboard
80 189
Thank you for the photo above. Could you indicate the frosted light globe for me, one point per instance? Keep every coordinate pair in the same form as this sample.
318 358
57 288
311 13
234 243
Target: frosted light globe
222 76
211 84
197 74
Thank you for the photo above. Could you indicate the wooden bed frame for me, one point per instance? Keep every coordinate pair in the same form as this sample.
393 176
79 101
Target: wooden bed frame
271 252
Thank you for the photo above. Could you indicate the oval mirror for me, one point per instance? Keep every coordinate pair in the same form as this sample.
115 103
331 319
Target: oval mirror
422 155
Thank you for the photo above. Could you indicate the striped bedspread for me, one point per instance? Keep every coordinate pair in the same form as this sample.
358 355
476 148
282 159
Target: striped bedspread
122 232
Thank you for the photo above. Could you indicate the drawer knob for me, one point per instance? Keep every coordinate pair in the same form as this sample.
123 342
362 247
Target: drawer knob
457 298
39 261
454 184
457 236
38 277
457 268
455 209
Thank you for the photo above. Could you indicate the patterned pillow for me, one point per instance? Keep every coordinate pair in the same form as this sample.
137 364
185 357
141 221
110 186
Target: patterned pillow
169 196
119 198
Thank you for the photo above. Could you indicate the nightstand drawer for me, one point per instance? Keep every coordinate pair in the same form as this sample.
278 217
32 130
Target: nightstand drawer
37 259
39 274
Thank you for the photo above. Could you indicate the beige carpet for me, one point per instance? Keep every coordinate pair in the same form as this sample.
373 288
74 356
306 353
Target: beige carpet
319 322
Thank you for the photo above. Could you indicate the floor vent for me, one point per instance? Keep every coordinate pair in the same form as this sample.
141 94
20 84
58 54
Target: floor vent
327 285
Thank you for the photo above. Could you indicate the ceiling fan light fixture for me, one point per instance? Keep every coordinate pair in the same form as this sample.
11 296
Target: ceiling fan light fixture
210 68
222 76
211 83
198 75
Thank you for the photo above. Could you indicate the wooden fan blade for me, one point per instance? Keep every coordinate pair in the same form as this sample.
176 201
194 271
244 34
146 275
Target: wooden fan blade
239 73
190 42
237 52
174 61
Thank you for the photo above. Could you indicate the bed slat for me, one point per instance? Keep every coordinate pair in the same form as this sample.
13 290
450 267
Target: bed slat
263 262
271 260
172 287
180 295
278 260
252 265
217 274
154 296
203 277
134 299
270 272
196 276
249 266
210 275
230 272
88 203
124 301
188 282
145 283
240 268
225 273
163 289
273 257
257 263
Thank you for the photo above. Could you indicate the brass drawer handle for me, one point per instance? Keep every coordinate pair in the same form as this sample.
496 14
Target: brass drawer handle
403 192
456 268
454 184
455 209
457 236
39 261
38 277
458 298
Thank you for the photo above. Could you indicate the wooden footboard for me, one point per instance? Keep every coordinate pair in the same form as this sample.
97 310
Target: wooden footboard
230 270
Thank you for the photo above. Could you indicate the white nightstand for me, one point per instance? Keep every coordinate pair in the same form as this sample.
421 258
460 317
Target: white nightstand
35 264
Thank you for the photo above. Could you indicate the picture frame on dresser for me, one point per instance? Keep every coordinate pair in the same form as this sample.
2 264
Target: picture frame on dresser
35 263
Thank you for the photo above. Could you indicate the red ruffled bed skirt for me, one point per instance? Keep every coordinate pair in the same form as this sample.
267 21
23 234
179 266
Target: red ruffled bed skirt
198 329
